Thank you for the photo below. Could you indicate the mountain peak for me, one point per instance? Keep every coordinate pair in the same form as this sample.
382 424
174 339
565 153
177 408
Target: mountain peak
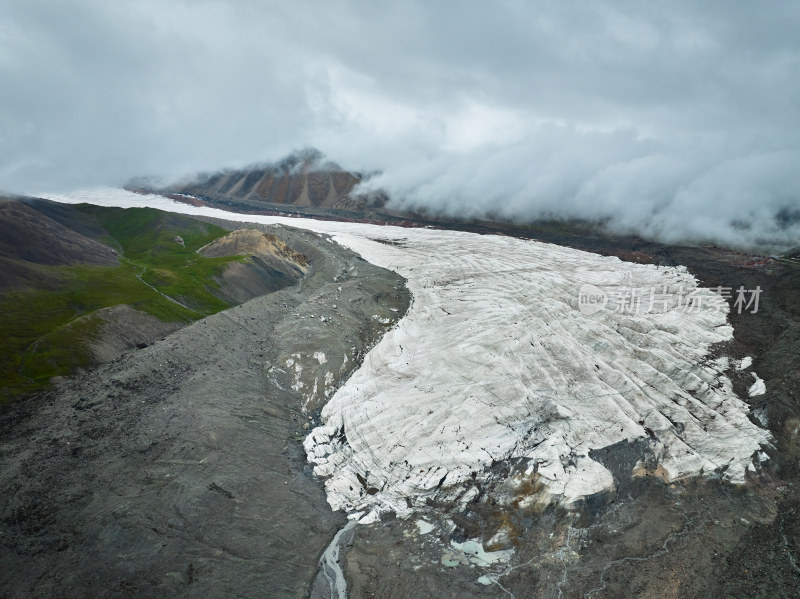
304 178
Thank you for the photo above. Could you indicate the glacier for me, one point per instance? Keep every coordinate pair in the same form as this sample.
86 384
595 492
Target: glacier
496 361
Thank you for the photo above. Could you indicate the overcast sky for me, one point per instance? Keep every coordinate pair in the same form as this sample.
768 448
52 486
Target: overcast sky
675 119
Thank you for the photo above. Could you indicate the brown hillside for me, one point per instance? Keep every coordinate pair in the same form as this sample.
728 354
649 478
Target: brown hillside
301 179
33 237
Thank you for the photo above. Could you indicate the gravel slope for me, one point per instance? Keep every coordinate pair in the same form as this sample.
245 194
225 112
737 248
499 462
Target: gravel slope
178 470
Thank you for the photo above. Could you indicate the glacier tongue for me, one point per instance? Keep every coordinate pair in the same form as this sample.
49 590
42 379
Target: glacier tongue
495 361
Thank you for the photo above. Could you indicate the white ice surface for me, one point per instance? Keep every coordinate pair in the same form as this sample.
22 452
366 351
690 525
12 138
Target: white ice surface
474 553
759 387
494 361
424 527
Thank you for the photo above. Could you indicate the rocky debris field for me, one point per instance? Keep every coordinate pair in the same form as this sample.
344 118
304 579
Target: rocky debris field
178 469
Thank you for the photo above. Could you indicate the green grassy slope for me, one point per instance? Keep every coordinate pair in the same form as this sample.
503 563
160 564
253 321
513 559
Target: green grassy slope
40 339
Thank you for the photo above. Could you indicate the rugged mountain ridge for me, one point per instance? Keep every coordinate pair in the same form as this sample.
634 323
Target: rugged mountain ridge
302 179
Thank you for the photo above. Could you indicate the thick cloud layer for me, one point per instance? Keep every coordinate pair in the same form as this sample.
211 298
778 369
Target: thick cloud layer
678 120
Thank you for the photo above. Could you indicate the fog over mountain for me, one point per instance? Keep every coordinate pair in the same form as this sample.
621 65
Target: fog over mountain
677 120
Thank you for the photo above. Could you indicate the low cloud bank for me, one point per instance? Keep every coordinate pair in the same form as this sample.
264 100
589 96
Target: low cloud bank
630 185
675 120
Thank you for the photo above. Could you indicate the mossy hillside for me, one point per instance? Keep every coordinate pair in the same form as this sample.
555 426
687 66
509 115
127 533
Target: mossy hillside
146 238
45 335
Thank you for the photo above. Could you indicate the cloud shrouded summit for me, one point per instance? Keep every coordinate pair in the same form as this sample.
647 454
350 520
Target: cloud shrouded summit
671 119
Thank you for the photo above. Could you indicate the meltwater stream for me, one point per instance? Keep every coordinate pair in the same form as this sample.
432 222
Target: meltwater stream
330 582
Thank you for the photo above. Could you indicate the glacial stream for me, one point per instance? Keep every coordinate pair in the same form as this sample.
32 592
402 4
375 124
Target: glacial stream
330 580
